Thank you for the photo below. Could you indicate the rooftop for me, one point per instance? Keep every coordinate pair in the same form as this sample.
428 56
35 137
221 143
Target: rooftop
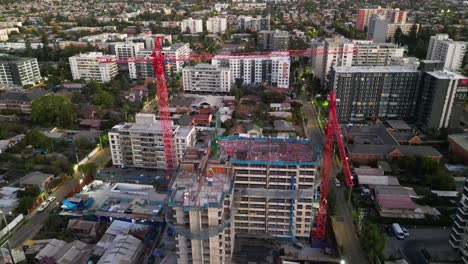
445 74
460 139
35 178
269 151
398 125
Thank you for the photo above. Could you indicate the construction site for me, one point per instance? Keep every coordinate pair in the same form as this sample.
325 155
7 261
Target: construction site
264 187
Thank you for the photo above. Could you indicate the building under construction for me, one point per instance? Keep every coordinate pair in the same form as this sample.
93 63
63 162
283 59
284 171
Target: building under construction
274 184
200 203
260 186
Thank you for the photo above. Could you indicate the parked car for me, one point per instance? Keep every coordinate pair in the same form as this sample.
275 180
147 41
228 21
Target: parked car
51 199
398 231
42 207
337 183
405 232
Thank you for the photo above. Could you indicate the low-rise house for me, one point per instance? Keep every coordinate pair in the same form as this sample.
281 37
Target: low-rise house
395 202
86 231
280 106
201 120
91 124
124 249
458 145
61 252
8 143
20 101
36 179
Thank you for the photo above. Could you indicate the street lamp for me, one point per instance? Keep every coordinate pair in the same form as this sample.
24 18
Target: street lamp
342 261
6 223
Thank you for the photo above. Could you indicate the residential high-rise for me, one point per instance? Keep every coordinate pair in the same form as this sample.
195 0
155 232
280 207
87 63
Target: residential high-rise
86 66
459 236
335 52
216 25
405 28
140 144
191 25
272 40
450 52
441 99
254 23
126 50
375 92
202 210
19 71
377 30
394 15
142 70
206 78
273 70
274 185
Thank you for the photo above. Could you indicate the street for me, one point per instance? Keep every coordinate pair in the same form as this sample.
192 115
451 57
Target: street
35 219
343 225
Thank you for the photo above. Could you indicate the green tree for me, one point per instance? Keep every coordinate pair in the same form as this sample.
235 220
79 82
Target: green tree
37 139
104 99
88 169
151 91
24 205
53 110
29 192
372 242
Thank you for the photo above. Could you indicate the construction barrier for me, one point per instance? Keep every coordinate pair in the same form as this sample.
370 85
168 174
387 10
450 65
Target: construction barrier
11 226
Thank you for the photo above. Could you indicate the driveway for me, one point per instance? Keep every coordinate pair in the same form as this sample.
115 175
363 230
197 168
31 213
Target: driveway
434 240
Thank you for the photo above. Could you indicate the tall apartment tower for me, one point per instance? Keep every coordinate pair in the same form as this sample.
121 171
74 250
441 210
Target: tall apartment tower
206 78
126 50
191 25
336 52
201 209
19 71
216 25
140 144
394 15
273 70
377 30
86 66
442 48
274 185
272 40
459 236
441 99
375 92
254 23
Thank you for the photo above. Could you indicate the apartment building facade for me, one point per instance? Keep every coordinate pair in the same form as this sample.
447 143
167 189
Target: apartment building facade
375 92
336 52
441 99
126 50
191 25
87 66
274 185
140 144
377 30
442 48
206 78
273 70
459 235
19 71
272 40
394 15
217 25
249 23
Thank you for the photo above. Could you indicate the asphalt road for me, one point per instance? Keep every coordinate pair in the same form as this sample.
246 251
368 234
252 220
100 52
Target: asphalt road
434 240
35 219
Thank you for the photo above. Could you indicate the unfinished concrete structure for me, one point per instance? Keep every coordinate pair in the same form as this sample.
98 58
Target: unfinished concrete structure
200 203
274 184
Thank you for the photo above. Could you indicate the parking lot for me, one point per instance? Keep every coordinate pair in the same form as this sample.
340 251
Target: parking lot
434 240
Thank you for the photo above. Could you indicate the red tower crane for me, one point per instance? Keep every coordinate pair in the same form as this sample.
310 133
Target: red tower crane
333 130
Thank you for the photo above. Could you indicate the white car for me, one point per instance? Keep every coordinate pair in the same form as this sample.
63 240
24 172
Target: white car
337 183
51 199
43 206
405 232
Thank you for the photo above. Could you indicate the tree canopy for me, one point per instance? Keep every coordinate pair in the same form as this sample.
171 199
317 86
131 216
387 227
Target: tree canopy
53 110
372 242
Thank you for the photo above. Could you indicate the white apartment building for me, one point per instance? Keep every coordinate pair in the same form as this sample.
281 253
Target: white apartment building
191 25
405 29
377 30
450 52
87 66
4 32
140 144
175 54
273 70
254 23
125 50
19 71
206 78
104 37
216 25
334 52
